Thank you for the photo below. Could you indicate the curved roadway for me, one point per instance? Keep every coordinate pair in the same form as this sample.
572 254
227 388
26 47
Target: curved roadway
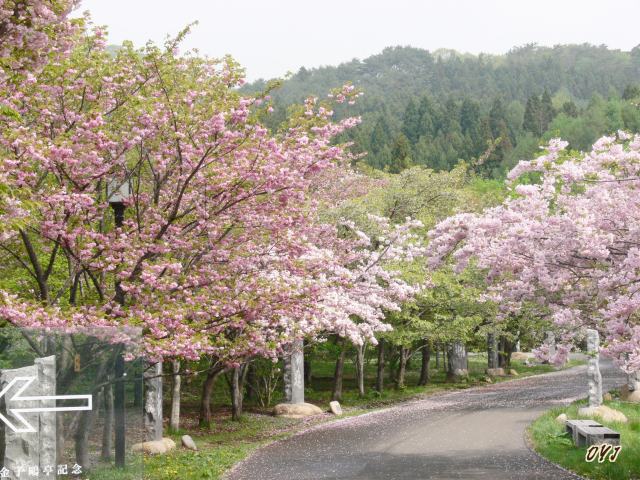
476 433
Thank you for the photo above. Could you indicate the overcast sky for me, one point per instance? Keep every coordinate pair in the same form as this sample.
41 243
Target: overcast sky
271 37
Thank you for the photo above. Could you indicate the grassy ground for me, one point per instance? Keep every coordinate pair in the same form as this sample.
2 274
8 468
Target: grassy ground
551 442
227 442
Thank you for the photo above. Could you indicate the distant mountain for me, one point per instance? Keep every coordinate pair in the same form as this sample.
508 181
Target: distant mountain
402 78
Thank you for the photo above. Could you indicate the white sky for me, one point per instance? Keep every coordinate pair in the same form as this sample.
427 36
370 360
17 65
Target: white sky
271 37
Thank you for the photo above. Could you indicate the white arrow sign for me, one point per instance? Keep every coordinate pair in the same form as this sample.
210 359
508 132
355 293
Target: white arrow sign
17 397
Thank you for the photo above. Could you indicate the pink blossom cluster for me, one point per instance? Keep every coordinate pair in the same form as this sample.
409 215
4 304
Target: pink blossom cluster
568 244
222 250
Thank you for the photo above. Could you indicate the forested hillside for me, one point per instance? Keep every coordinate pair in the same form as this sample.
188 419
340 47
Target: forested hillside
436 108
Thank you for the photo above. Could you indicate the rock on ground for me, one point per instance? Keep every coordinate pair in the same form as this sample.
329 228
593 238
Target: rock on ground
296 410
562 419
630 396
155 447
187 442
513 372
335 408
495 372
603 413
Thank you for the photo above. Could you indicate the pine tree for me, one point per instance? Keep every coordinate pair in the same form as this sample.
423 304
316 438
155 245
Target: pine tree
427 117
411 122
547 112
532 115
379 136
400 154
570 109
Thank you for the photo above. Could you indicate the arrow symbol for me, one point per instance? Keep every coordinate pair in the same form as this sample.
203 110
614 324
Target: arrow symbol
26 427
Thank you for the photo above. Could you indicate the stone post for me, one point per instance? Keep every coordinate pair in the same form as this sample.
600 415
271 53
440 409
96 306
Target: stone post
297 372
550 341
593 369
294 374
48 421
37 449
457 359
492 351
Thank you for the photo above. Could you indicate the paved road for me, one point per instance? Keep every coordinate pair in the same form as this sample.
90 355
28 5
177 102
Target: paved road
468 434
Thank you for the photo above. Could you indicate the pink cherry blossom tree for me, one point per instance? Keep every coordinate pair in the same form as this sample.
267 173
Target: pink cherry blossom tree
564 244
221 251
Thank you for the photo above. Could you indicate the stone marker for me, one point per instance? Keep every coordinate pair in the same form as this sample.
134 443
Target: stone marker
550 341
335 407
296 410
593 368
37 448
187 442
457 359
595 408
294 373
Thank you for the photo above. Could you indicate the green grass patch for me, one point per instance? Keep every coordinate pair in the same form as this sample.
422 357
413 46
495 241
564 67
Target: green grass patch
550 441
220 448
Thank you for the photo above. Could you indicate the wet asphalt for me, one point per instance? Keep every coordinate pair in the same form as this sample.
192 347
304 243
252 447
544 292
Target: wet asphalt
478 433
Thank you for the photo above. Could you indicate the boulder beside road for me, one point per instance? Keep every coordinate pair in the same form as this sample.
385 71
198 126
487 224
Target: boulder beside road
296 410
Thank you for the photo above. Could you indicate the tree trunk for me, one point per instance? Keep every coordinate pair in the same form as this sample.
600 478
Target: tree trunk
82 437
504 354
138 391
445 358
426 360
380 369
250 391
107 429
492 351
153 402
174 422
360 351
457 361
402 368
238 376
206 397
338 374
437 356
